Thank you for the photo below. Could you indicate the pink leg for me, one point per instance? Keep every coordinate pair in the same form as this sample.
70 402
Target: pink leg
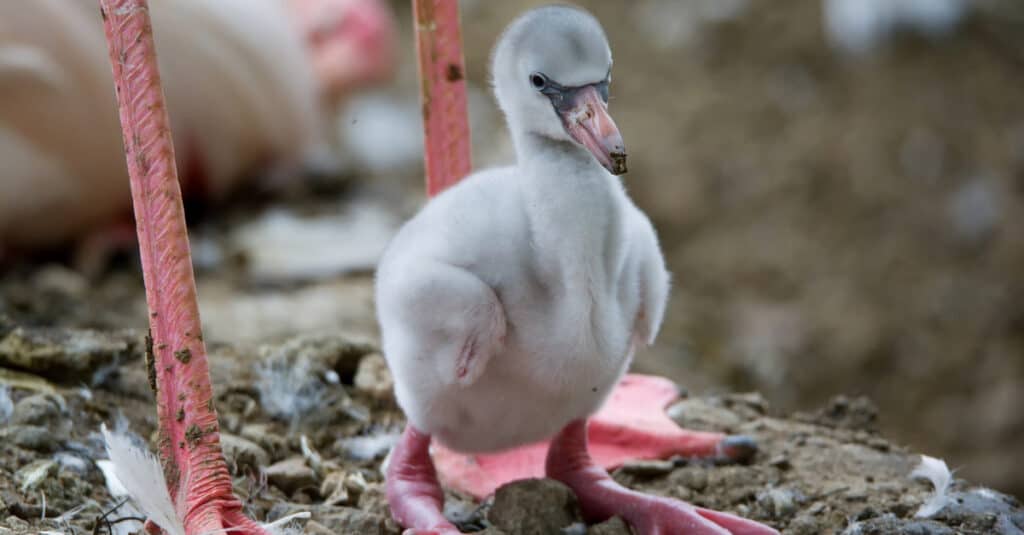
631 425
443 83
189 443
601 497
415 496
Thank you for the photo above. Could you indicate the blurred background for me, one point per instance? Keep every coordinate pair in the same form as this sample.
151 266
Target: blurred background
837 184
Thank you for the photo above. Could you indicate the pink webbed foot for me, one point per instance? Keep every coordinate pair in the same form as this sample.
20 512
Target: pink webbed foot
414 495
601 497
631 425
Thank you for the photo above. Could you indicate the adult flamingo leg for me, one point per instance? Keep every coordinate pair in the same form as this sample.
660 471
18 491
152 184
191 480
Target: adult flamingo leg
414 494
601 497
189 444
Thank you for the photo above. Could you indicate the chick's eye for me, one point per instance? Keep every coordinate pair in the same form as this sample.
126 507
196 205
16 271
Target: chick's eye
538 80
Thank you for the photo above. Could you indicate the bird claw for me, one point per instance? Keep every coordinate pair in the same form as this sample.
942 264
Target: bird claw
737 448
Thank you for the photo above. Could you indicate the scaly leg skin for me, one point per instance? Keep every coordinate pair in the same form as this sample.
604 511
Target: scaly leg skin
190 452
414 495
601 497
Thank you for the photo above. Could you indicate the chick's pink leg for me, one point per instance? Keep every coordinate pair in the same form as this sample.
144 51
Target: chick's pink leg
601 497
415 496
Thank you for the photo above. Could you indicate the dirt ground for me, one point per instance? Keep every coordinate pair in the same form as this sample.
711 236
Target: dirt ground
827 471
835 226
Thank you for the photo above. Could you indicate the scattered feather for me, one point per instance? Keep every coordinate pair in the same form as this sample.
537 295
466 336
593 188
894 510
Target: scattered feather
141 475
288 390
6 404
114 486
935 471
367 447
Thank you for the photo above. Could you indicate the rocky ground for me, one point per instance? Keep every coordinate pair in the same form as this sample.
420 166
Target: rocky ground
835 225
826 471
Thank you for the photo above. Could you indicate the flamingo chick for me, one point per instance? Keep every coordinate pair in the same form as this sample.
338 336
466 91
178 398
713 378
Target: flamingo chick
511 305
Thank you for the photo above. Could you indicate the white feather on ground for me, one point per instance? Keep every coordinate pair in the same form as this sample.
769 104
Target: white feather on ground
140 474
6 404
135 472
935 471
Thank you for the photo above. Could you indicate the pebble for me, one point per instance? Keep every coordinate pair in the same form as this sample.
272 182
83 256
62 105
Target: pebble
778 502
373 377
264 436
61 353
534 507
692 477
335 489
31 437
241 452
290 474
612 526
698 414
38 409
32 475
315 528
350 520
16 524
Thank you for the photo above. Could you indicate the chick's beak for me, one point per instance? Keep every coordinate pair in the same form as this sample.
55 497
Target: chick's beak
585 117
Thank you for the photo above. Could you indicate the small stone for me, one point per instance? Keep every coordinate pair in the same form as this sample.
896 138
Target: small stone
781 462
778 502
266 438
241 452
374 378
699 414
67 354
39 409
374 500
315 528
16 524
647 468
356 483
350 520
816 508
334 489
612 526
31 437
577 528
805 525
290 474
35 473
534 507
692 477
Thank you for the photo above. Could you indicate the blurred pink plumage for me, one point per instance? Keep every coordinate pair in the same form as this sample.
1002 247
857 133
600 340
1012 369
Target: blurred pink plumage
248 82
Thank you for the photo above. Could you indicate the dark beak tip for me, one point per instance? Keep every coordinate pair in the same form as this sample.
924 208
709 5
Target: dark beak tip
618 166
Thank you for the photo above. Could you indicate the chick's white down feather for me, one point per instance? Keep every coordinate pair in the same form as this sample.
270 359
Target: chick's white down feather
512 303
238 82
